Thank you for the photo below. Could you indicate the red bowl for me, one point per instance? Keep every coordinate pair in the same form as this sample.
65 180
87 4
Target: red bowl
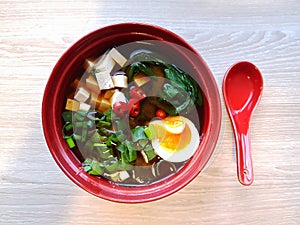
65 71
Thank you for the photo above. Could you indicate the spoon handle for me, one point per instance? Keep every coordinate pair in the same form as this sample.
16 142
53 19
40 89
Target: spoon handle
243 156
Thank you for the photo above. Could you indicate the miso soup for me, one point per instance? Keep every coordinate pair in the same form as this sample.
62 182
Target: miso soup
132 116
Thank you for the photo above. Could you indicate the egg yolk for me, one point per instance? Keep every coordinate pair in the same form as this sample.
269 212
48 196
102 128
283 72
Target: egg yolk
173 122
175 142
172 142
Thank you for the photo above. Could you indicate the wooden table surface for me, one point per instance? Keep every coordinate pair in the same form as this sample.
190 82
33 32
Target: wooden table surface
35 33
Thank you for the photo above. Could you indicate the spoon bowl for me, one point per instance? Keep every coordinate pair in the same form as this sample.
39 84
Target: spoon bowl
242 90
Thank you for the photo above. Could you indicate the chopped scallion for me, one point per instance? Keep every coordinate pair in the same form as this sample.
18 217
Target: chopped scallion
84 132
131 154
79 116
70 142
150 132
150 153
67 130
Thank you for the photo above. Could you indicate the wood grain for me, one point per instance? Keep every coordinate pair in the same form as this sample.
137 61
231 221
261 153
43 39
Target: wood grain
34 34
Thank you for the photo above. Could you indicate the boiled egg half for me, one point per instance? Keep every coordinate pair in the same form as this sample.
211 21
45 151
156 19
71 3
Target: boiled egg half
175 138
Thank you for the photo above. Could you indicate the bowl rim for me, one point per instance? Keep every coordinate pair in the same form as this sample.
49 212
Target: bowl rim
109 190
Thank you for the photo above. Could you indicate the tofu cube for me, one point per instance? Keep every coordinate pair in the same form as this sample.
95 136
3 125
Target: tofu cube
92 84
119 176
109 93
81 94
104 105
105 64
124 175
117 56
72 105
94 100
104 80
140 79
84 107
120 81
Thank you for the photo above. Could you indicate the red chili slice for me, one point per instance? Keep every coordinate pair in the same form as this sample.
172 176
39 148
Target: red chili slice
135 107
137 93
120 108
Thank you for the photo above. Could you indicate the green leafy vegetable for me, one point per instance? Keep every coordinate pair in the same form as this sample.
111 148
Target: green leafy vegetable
130 153
96 168
137 67
138 133
124 164
185 81
111 164
181 83
103 150
67 116
92 167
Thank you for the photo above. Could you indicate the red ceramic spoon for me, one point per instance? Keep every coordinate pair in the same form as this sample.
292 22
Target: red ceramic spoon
242 90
